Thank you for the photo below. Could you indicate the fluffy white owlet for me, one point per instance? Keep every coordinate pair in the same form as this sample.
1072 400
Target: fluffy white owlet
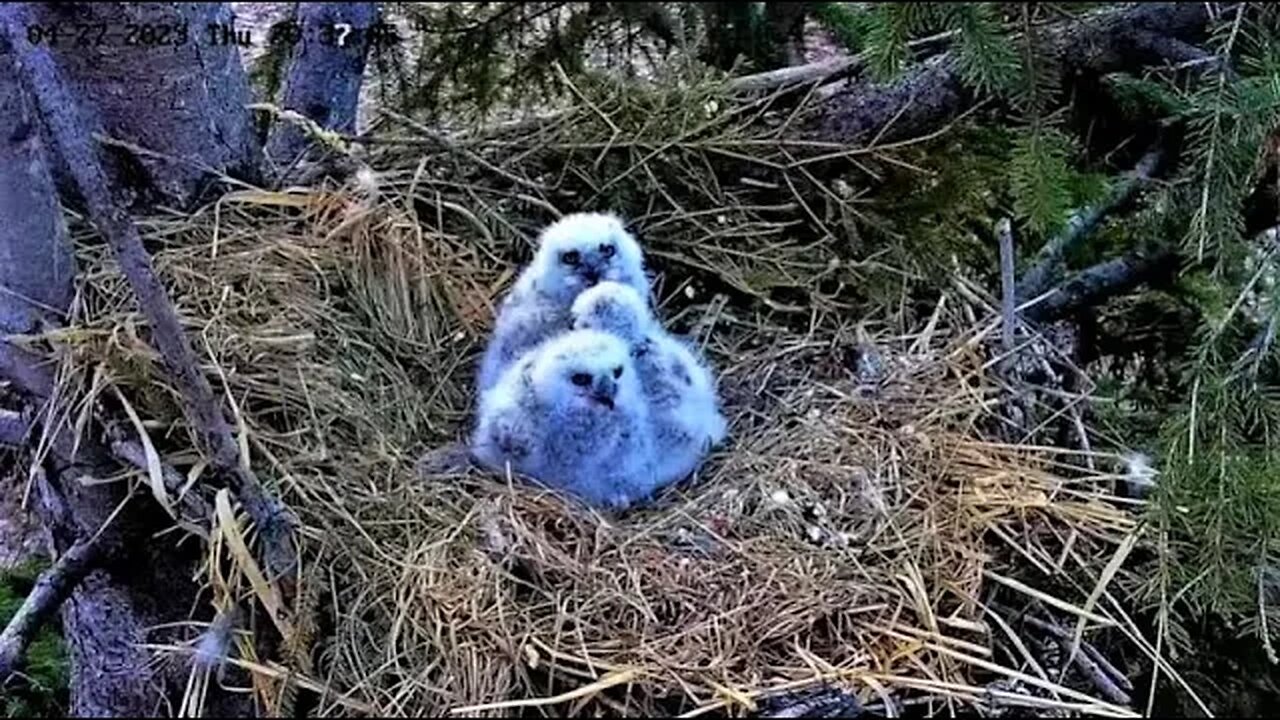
680 389
574 253
570 414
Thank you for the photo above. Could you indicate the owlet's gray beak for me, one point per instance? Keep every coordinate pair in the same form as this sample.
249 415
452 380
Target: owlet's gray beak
604 391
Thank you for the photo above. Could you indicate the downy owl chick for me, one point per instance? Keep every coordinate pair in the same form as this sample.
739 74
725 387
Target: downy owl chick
570 414
678 385
574 254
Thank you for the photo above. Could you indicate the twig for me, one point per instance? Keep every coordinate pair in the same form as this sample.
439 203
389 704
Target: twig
1008 290
1083 222
72 129
1105 676
52 587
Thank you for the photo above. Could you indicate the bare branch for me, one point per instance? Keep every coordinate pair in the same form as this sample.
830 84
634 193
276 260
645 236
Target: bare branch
1083 222
1182 54
1098 283
72 128
827 71
52 587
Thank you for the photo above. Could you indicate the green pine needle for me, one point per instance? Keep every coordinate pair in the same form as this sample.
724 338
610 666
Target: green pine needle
1040 179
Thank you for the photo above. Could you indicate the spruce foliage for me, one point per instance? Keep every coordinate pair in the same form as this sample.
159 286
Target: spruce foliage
1216 411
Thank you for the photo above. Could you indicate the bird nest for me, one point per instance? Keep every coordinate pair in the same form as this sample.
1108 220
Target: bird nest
849 533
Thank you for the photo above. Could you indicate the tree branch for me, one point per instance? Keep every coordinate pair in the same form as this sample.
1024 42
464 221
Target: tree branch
52 588
827 71
1098 283
72 128
1181 54
1083 222
933 93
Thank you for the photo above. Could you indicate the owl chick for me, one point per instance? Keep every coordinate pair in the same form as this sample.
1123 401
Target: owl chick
680 389
574 253
570 414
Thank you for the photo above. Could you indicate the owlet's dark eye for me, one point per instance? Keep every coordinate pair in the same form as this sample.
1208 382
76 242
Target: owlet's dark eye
570 258
617 372
606 250
581 379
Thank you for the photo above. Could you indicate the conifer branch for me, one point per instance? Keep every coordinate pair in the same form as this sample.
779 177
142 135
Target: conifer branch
1083 222
933 92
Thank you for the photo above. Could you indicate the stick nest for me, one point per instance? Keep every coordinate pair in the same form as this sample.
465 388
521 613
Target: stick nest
846 533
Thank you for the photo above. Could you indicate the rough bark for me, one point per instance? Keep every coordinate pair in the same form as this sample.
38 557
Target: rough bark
932 93
136 583
184 99
23 156
324 77
72 127
1096 284
36 278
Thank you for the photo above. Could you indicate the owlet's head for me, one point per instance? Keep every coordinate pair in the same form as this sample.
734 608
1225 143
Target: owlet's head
613 308
584 370
580 250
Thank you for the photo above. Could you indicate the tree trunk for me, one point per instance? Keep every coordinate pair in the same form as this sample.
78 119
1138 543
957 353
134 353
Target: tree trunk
731 33
325 73
35 277
164 77
138 583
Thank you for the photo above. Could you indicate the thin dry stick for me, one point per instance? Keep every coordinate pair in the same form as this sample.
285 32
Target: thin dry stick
1008 290
72 128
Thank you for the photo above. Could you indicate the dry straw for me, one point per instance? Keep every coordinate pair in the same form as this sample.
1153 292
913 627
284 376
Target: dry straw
851 531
